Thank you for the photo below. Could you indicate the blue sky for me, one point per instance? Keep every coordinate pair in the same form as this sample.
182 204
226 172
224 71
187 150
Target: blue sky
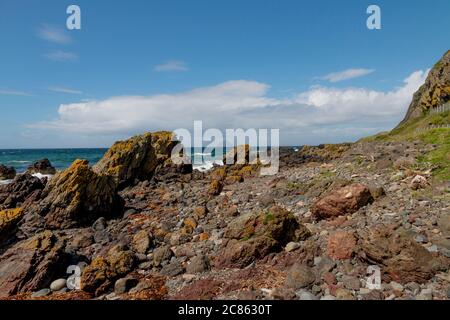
144 65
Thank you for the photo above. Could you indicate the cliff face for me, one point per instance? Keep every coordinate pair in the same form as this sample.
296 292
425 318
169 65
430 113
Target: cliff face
434 93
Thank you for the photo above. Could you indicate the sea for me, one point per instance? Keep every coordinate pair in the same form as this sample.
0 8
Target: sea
61 159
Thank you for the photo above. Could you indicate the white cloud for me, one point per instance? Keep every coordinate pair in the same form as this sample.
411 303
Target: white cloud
321 114
8 92
61 56
64 90
172 66
53 34
346 75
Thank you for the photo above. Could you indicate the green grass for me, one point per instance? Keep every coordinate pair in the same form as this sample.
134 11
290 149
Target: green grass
438 159
269 217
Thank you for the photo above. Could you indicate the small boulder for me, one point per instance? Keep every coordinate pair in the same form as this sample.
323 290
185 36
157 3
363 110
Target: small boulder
401 258
42 166
7 173
141 242
346 200
198 264
419 182
300 276
341 245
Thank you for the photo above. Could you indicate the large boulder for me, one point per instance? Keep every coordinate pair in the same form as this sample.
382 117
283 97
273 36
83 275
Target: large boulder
32 264
137 158
346 200
253 236
7 173
24 188
42 166
400 257
78 196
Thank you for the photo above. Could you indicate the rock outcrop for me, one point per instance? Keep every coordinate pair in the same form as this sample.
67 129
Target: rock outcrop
31 264
7 173
78 196
24 188
42 166
138 158
434 93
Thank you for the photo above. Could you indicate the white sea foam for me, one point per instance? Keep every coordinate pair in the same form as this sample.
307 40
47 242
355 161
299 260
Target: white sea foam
207 165
42 176
3 182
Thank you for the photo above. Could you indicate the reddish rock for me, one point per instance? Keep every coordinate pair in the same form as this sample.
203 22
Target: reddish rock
400 257
341 245
31 264
329 278
346 200
205 289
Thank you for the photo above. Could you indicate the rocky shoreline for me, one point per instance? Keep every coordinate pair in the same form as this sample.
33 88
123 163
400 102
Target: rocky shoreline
137 226
310 232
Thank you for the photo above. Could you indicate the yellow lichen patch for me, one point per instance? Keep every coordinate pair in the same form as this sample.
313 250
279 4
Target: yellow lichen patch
190 222
8 218
246 171
219 174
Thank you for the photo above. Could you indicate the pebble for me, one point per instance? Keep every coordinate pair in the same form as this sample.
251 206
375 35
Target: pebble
328 297
41 293
396 286
425 294
58 284
124 285
291 246
433 248
305 295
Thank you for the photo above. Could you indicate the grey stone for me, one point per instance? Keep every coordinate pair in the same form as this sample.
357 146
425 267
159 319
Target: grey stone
58 284
351 283
328 297
300 276
173 269
162 254
124 284
291 246
41 293
198 264
100 224
305 295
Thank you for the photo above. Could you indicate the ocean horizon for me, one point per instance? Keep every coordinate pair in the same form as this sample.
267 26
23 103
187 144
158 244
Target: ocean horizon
62 158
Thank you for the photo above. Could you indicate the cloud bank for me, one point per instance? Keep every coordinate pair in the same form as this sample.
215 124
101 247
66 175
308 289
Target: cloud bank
320 114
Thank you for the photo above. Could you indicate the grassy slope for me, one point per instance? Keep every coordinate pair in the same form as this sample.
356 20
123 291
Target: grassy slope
438 159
